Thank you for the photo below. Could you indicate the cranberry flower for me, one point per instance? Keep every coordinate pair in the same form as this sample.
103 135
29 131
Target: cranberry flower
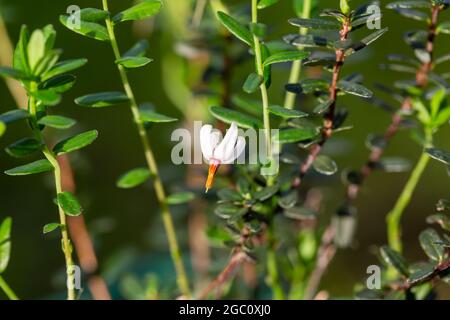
217 151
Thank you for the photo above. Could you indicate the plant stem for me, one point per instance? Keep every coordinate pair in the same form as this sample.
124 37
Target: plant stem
272 268
394 217
7 289
289 100
263 87
66 245
152 166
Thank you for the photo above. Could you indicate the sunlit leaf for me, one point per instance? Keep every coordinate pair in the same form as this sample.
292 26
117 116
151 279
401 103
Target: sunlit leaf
57 122
103 99
69 204
142 10
133 178
89 29
76 142
252 83
133 62
38 166
236 28
241 119
285 56
429 241
50 227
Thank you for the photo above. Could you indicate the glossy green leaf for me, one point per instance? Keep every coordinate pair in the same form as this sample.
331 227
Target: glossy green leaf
296 135
152 116
180 198
325 165
413 14
57 122
102 99
93 14
59 83
48 97
65 66
14 73
14 115
133 62
394 259
287 113
286 56
299 213
229 116
142 10
229 195
323 107
236 28
421 274
363 43
315 23
247 104
440 155
76 142
2 128
444 27
227 211
36 48
38 166
308 40
441 219
49 227
23 147
133 178
289 200
252 83
409 4
354 89
69 204
5 243
20 60
429 241
89 29
263 4
266 193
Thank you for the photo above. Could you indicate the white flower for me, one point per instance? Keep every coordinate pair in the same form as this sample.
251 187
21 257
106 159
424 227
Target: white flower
217 151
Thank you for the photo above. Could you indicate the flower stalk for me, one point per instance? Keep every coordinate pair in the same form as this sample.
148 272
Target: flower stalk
7 289
182 279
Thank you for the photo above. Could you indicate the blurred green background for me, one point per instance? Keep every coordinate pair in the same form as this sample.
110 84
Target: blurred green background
125 223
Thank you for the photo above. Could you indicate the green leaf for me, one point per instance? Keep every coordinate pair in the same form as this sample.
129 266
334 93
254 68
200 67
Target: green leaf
57 122
252 83
308 40
38 166
93 14
49 227
266 193
69 204
14 115
229 116
289 200
76 142
227 211
365 41
138 50
262 4
229 195
2 128
180 198
247 104
65 66
325 165
23 147
437 154
315 23
14 73
394 259
299 213
323 107
429 241
409 4
287 113
152 116
421 274
413 14
443 205
142 10
354 89
59 83
296 135
88 29
102 99
133 178
236 28
133 62
48 97
444 27
5 243
36 48
20 61
441 219
285 56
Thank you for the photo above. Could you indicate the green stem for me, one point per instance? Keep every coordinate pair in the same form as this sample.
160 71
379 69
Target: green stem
152 166
294 77
7 289
393 218
263 87
65 241
272 268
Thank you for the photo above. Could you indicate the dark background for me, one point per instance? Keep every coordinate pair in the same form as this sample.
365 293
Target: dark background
125 223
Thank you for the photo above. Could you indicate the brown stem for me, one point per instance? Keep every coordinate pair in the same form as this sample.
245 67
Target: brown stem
327 129
392 130
325 254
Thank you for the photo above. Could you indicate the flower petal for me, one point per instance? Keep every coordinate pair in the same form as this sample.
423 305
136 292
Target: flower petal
225 148
237 150
205 141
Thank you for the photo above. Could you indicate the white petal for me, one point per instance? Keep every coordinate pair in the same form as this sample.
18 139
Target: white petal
205 141
225 148
237 150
